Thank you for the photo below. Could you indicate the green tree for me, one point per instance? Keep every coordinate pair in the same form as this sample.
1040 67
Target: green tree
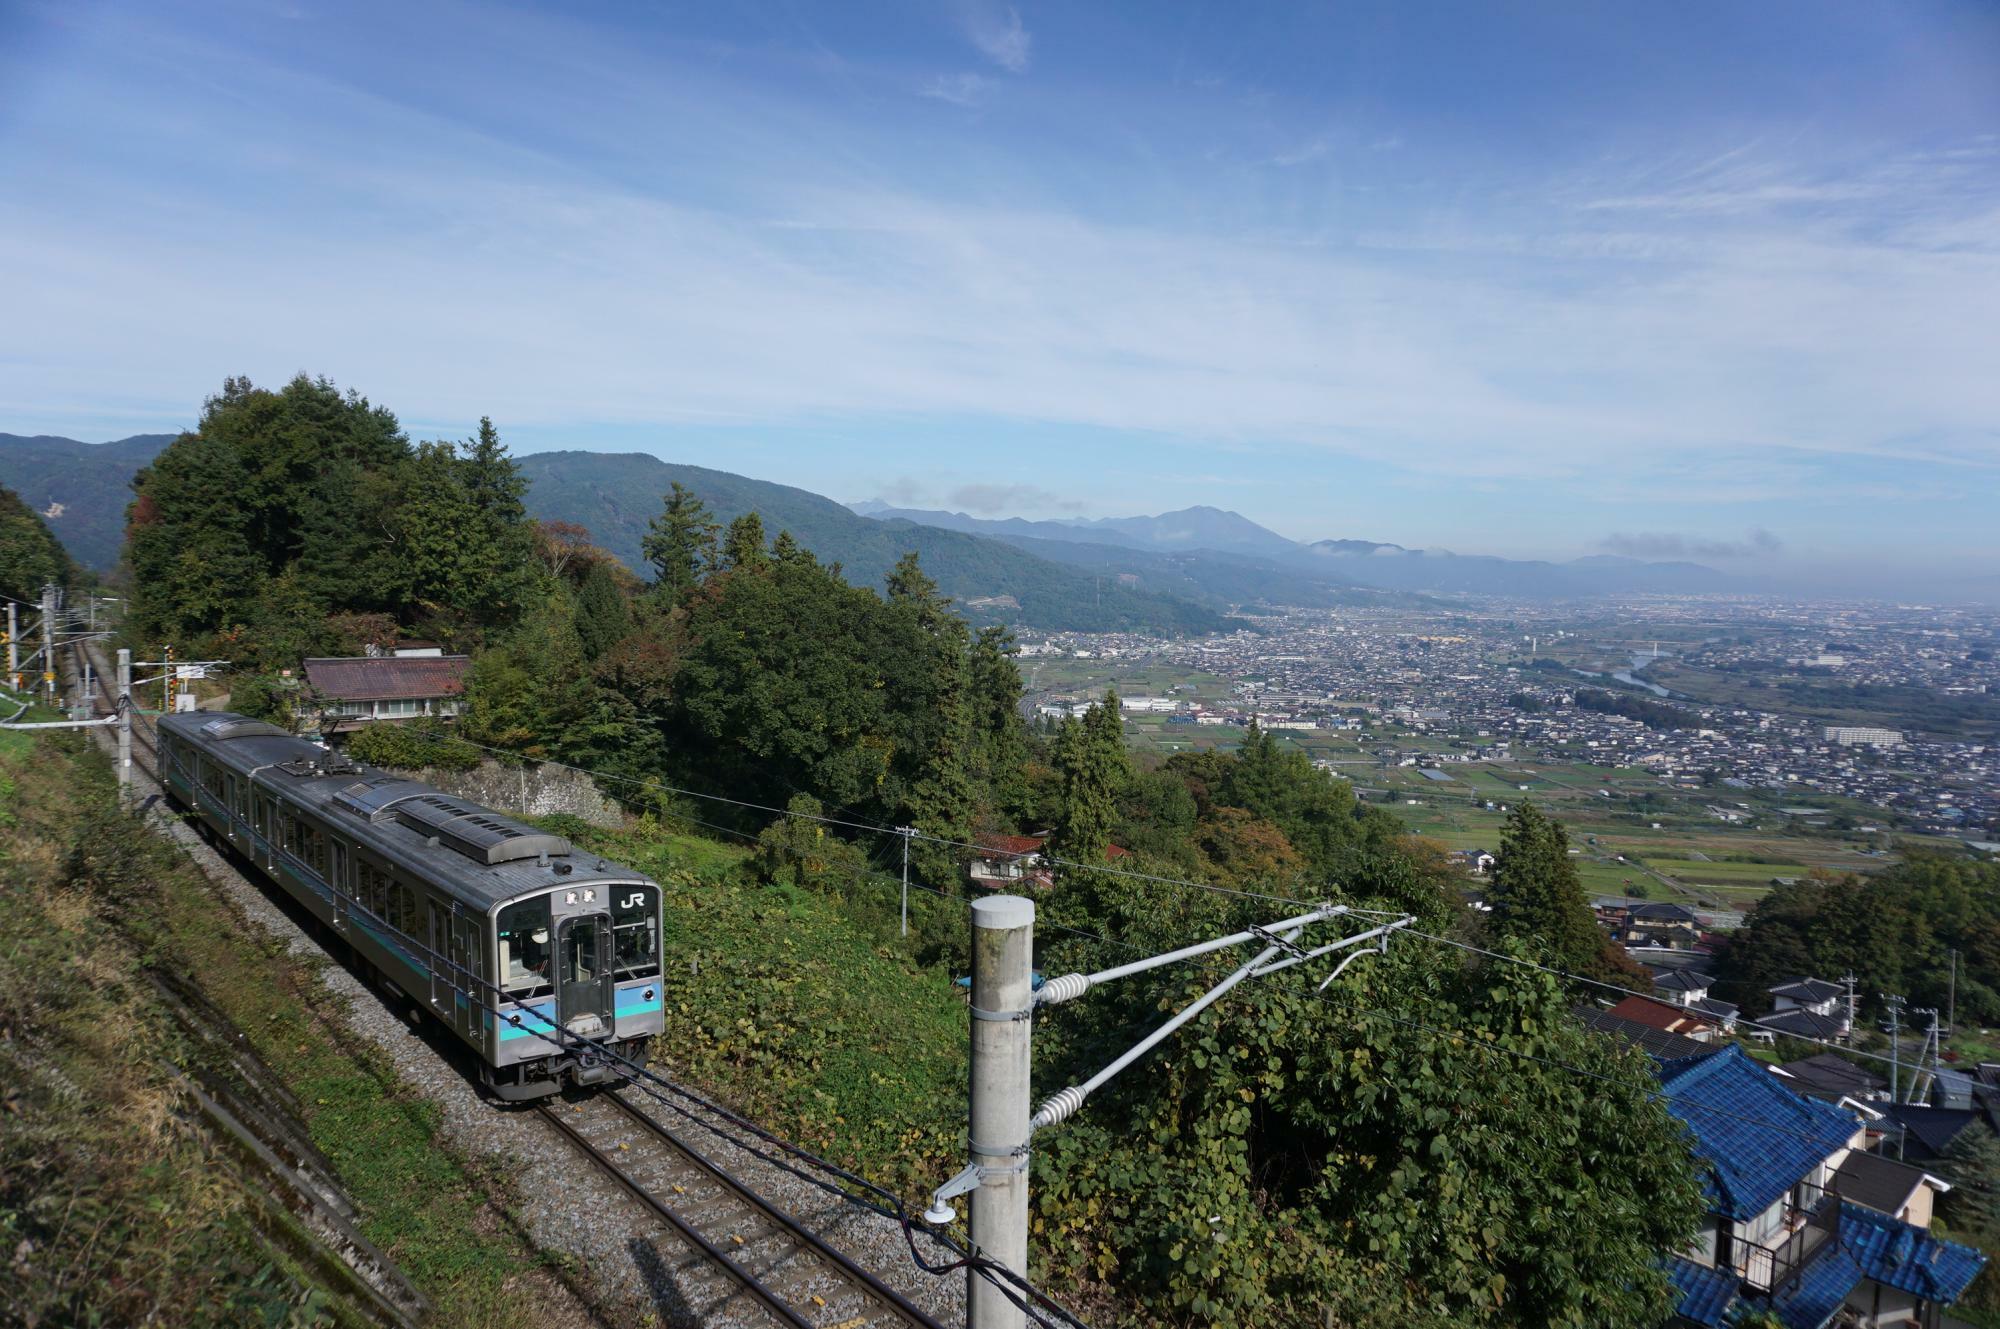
1318 813
993 691
798 850
941 801
793 681
680 543
1537 896
1089 758
743 543
1412 1142
602 619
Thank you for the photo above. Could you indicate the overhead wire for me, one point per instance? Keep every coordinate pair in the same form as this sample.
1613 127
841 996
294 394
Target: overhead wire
1181 882
438 965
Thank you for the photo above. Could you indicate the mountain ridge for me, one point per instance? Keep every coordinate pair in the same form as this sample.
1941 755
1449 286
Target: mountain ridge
1375 564
79 489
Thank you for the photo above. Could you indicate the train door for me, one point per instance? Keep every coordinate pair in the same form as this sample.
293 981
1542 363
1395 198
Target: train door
583 974
438 938
340 881
466 971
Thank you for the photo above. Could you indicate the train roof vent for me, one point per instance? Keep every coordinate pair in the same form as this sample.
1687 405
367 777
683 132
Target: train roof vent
373 798
240 726
482 836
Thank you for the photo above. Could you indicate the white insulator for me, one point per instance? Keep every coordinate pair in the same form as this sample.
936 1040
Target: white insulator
1058 1107
1067 988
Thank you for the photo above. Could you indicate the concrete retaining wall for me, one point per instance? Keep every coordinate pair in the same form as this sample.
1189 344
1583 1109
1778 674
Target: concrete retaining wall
533 790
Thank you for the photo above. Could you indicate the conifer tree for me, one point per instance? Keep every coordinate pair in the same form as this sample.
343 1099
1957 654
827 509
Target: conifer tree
1538 897
994 689
680 543
743 543
602 620
1092 767
942 799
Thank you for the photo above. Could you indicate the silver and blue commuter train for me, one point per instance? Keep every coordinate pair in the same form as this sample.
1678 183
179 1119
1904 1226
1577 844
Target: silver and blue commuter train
542 959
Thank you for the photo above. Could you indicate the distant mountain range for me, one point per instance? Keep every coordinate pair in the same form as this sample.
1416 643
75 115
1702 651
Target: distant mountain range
1348 564
80 489
1177 572
617 494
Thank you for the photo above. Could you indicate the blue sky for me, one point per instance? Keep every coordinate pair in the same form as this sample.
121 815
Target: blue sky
1550 279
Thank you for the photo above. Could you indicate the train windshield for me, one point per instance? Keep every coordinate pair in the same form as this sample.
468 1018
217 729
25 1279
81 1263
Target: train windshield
525 948
635 929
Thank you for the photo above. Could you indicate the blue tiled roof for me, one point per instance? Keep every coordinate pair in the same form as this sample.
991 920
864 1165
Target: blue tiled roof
1901 1256
1820 1291
1758 1137
1706 1293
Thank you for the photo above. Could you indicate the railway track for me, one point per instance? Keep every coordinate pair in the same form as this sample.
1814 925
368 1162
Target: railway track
764 1266
743 1259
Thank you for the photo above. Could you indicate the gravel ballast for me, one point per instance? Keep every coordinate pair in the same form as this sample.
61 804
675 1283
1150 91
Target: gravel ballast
637 1271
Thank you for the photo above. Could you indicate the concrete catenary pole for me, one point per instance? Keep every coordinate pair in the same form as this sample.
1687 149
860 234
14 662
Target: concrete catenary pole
49 642
13 648
124 704
1003 943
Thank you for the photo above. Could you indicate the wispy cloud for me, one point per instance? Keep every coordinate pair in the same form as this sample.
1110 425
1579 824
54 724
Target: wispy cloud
958 89
999 34
1660 544
993 499
1637 353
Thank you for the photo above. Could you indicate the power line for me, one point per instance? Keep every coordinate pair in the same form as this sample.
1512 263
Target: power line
886 831
1201 886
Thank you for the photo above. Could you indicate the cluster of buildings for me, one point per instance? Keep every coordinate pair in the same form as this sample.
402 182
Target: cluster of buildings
1471 677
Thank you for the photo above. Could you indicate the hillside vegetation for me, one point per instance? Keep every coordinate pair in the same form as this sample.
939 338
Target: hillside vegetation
30 557
614 496
86 484
1415 1141
122 1201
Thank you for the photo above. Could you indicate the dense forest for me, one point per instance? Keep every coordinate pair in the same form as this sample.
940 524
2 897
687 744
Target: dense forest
1894 930
1431 1139
30 558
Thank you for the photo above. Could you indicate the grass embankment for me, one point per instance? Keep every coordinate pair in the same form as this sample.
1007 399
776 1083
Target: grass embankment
805 1011
113 1208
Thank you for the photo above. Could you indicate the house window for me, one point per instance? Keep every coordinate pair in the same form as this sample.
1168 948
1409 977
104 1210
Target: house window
390 710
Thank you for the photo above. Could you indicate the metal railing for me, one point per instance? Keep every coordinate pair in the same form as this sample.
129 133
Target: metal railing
1812 1224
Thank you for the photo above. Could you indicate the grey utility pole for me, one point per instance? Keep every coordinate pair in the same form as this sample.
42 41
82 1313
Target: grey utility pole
1895 1005
49 641
906 832
124 704
1951 1003
1003 999
13 648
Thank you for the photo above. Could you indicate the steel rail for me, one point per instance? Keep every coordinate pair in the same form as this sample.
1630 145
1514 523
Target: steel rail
776 1304
870 1285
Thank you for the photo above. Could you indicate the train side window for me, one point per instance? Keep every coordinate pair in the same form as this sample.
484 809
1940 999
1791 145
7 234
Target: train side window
635 930
524 947
372 888
340 881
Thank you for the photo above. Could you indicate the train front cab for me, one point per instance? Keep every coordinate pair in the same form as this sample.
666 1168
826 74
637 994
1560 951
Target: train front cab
579 974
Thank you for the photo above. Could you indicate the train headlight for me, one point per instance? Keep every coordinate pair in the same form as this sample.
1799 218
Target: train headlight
647 994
